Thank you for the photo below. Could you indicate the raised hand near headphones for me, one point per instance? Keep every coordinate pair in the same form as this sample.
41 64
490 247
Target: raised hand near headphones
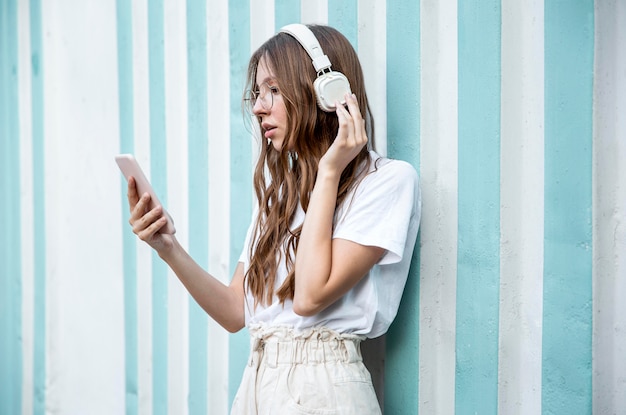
350 140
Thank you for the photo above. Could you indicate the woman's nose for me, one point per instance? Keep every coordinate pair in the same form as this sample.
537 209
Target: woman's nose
257 108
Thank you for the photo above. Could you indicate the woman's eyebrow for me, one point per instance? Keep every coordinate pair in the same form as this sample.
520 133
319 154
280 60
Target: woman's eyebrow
267 79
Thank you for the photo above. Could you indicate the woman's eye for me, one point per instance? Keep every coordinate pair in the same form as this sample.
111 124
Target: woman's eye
274 90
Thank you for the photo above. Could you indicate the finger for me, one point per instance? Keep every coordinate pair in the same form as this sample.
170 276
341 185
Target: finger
341 111
353 106
148 233
140 208
145 221
144 203
346 124
357 119
132 195
363 133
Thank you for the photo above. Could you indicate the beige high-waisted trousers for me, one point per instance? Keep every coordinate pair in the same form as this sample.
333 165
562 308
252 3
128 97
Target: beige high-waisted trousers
318 371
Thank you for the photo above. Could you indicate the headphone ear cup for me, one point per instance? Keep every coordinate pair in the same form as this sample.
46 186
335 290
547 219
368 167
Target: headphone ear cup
331 87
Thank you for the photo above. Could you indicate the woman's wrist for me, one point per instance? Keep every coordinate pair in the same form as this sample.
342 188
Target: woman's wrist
169 252
327 173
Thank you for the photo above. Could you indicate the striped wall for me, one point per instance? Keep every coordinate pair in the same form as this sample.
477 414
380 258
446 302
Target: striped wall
512 112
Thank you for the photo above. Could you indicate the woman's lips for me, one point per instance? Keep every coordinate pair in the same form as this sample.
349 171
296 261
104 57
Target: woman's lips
269 131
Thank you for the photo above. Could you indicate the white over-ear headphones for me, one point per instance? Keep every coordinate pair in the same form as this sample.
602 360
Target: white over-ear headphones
330 86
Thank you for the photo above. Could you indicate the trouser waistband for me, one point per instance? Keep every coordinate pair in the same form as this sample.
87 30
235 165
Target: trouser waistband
278 345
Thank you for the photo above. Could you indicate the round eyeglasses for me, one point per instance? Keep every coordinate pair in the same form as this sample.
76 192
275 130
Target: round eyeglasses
265 95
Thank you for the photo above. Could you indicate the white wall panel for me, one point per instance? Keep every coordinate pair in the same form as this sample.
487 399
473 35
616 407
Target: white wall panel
438 175
84 285
176 143
521 255
27 203
609 210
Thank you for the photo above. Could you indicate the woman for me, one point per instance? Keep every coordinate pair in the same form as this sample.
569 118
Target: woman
327 255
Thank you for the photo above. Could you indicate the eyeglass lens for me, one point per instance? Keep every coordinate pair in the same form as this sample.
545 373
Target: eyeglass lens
264 95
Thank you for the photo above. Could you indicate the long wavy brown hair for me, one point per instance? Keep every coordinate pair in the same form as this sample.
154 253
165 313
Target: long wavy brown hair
284 179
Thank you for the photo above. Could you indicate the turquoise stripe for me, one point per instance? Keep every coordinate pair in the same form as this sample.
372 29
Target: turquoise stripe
286 12
478 261
403 142
39 210
567 298
198 154
343 15
126 114
158 177
10 238
240 168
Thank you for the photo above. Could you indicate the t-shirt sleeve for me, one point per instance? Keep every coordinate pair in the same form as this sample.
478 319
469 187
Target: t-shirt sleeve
381 210
245 250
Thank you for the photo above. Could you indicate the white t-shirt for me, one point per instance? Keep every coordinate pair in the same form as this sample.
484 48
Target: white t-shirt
383 210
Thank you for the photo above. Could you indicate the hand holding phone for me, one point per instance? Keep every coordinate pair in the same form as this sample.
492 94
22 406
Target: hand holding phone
130 167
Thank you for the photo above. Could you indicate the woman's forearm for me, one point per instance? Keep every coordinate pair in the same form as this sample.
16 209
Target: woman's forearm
314 257
224 303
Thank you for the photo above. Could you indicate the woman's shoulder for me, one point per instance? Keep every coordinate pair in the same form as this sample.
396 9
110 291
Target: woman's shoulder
389 192
388 169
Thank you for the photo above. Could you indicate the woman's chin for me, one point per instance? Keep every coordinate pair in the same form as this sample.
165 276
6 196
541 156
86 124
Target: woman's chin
277 144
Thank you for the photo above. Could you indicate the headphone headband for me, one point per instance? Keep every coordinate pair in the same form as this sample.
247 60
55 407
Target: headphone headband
309 42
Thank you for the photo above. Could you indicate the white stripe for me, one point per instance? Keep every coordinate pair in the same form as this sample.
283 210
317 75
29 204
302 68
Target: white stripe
438 161
49 58
609 210
314 11
218 77
372 45
261 22
261 29
175 51
141 134
26 202
521 210
84 287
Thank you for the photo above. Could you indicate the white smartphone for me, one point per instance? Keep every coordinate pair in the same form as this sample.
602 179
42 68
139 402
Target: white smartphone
130 167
